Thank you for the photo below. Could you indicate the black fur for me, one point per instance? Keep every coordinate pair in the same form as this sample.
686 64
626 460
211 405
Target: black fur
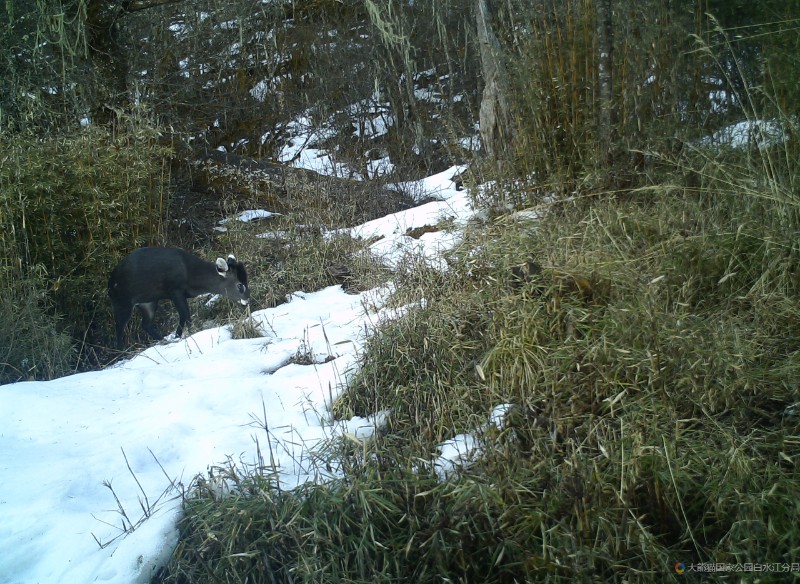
151 274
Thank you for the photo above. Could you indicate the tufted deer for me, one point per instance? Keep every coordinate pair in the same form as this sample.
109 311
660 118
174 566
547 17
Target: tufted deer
151 274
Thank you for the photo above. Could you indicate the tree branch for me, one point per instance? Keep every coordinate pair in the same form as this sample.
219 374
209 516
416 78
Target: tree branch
138 5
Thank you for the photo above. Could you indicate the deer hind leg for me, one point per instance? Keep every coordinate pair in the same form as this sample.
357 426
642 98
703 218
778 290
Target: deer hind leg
122 315
148 310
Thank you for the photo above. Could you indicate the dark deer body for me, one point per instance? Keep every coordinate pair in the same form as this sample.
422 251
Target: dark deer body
151 274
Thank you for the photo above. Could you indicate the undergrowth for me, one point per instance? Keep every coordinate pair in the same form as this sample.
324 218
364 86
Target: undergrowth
71 205
31 344
643 345
307 247
646 345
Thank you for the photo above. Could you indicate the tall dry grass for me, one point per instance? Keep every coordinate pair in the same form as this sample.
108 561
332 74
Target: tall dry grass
643 341
71 205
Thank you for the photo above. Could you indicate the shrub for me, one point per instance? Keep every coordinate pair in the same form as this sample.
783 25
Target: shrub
71 205
31 343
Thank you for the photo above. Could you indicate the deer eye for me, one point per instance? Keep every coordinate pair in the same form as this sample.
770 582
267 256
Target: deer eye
240 287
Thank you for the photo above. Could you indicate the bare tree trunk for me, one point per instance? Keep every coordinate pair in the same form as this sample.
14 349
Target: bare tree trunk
495 115
606 113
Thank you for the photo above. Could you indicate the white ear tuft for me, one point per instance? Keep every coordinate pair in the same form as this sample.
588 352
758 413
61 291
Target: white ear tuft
231 257
222 267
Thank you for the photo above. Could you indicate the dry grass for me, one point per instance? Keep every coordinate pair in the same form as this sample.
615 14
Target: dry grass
303 249
653 416
71 205
645 343
32 345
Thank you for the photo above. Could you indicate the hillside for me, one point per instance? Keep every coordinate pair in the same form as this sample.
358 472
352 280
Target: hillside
524 291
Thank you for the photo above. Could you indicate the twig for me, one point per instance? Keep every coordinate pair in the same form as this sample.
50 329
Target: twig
146 508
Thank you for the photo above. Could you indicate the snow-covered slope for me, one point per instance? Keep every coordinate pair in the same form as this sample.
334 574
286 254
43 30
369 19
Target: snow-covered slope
142 429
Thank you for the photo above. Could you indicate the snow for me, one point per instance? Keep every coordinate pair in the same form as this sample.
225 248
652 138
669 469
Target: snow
93 464
381 167
463 449
191 403
302 151
391 232
260 91
746 133
251 215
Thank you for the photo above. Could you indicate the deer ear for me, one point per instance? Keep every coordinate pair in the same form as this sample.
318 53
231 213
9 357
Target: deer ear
222 267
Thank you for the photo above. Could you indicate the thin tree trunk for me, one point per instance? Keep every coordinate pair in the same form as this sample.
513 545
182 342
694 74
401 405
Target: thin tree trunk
606 114
495 115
